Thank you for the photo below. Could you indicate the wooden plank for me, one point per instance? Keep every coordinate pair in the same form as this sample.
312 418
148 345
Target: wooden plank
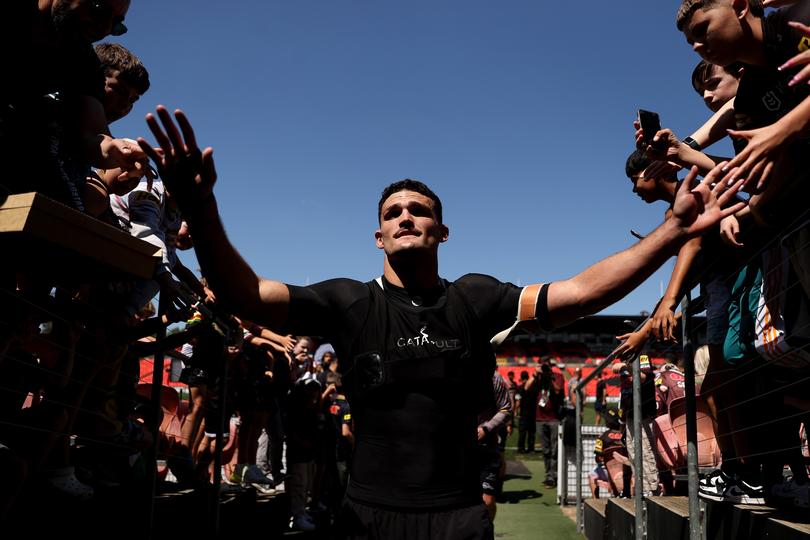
49 235
676 505
668 518
598 505
620 517
801 528
596 519
627 505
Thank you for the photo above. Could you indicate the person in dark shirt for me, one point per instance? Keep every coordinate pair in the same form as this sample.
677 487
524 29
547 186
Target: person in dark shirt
52 121
551 396
528 395
492 422
413 347
609 447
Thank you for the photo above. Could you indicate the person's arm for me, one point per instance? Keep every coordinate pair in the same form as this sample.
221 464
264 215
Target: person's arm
187 276
504 414
696 209
99 147
190 175
663 320
346 431
287 343
716 127
667 147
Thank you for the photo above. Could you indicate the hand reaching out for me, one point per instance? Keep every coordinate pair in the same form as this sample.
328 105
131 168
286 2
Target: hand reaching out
730 231
758 159
663 321
699 206
800 59
632 342
187 172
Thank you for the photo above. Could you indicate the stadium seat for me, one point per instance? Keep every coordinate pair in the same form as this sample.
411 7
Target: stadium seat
708 449
615 472
668 453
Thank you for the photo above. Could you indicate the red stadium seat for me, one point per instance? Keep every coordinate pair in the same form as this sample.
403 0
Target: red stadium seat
708 449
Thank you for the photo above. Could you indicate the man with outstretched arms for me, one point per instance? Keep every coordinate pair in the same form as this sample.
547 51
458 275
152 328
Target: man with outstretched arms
413 347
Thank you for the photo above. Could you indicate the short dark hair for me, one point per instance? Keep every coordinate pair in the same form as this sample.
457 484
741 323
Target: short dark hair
703 71
130 69
411 185
636 163
688 7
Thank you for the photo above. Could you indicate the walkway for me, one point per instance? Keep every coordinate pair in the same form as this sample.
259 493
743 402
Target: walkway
529 510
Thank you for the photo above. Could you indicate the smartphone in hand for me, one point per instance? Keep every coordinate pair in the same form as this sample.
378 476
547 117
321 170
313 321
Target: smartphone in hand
650 123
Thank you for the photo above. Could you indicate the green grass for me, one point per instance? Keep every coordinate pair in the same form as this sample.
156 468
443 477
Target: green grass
530 510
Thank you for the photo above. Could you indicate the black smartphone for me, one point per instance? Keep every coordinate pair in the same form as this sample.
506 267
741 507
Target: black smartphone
650 123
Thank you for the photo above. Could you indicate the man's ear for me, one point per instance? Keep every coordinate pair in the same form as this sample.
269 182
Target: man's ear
445 233
741 8
378 239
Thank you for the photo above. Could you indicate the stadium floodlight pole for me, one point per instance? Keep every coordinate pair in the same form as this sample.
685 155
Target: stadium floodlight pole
638 468
578 449
691 420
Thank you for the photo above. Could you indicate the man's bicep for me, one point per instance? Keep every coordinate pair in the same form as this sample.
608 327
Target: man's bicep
320 309
562 302
274 299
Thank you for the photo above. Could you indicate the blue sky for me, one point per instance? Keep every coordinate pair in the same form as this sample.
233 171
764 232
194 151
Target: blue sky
517 113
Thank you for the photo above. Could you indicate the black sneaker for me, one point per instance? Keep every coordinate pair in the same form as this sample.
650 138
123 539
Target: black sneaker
720 487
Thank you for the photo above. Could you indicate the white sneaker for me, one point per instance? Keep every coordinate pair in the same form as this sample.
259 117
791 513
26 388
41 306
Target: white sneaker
720 487
303 523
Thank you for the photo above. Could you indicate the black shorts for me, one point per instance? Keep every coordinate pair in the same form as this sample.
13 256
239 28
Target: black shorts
360 522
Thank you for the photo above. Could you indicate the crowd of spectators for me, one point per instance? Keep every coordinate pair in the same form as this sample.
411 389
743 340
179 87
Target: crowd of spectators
752 271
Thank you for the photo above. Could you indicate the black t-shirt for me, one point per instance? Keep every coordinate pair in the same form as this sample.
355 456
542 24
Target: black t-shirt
416 376
763 96
601 387
611 440
341 416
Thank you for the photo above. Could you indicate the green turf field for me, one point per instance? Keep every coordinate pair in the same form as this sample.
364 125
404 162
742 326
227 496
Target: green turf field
529 510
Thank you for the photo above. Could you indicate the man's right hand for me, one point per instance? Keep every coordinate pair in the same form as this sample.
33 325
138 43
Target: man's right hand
188 173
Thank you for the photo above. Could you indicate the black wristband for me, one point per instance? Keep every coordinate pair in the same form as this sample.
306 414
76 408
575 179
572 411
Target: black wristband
692 143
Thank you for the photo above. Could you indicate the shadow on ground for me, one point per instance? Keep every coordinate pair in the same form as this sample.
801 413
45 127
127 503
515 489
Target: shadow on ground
514 497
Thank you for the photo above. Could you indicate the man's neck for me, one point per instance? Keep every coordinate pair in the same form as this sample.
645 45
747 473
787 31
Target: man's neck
752 50
412 274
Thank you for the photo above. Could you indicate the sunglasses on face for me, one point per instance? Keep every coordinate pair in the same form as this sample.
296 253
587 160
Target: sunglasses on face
101 13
